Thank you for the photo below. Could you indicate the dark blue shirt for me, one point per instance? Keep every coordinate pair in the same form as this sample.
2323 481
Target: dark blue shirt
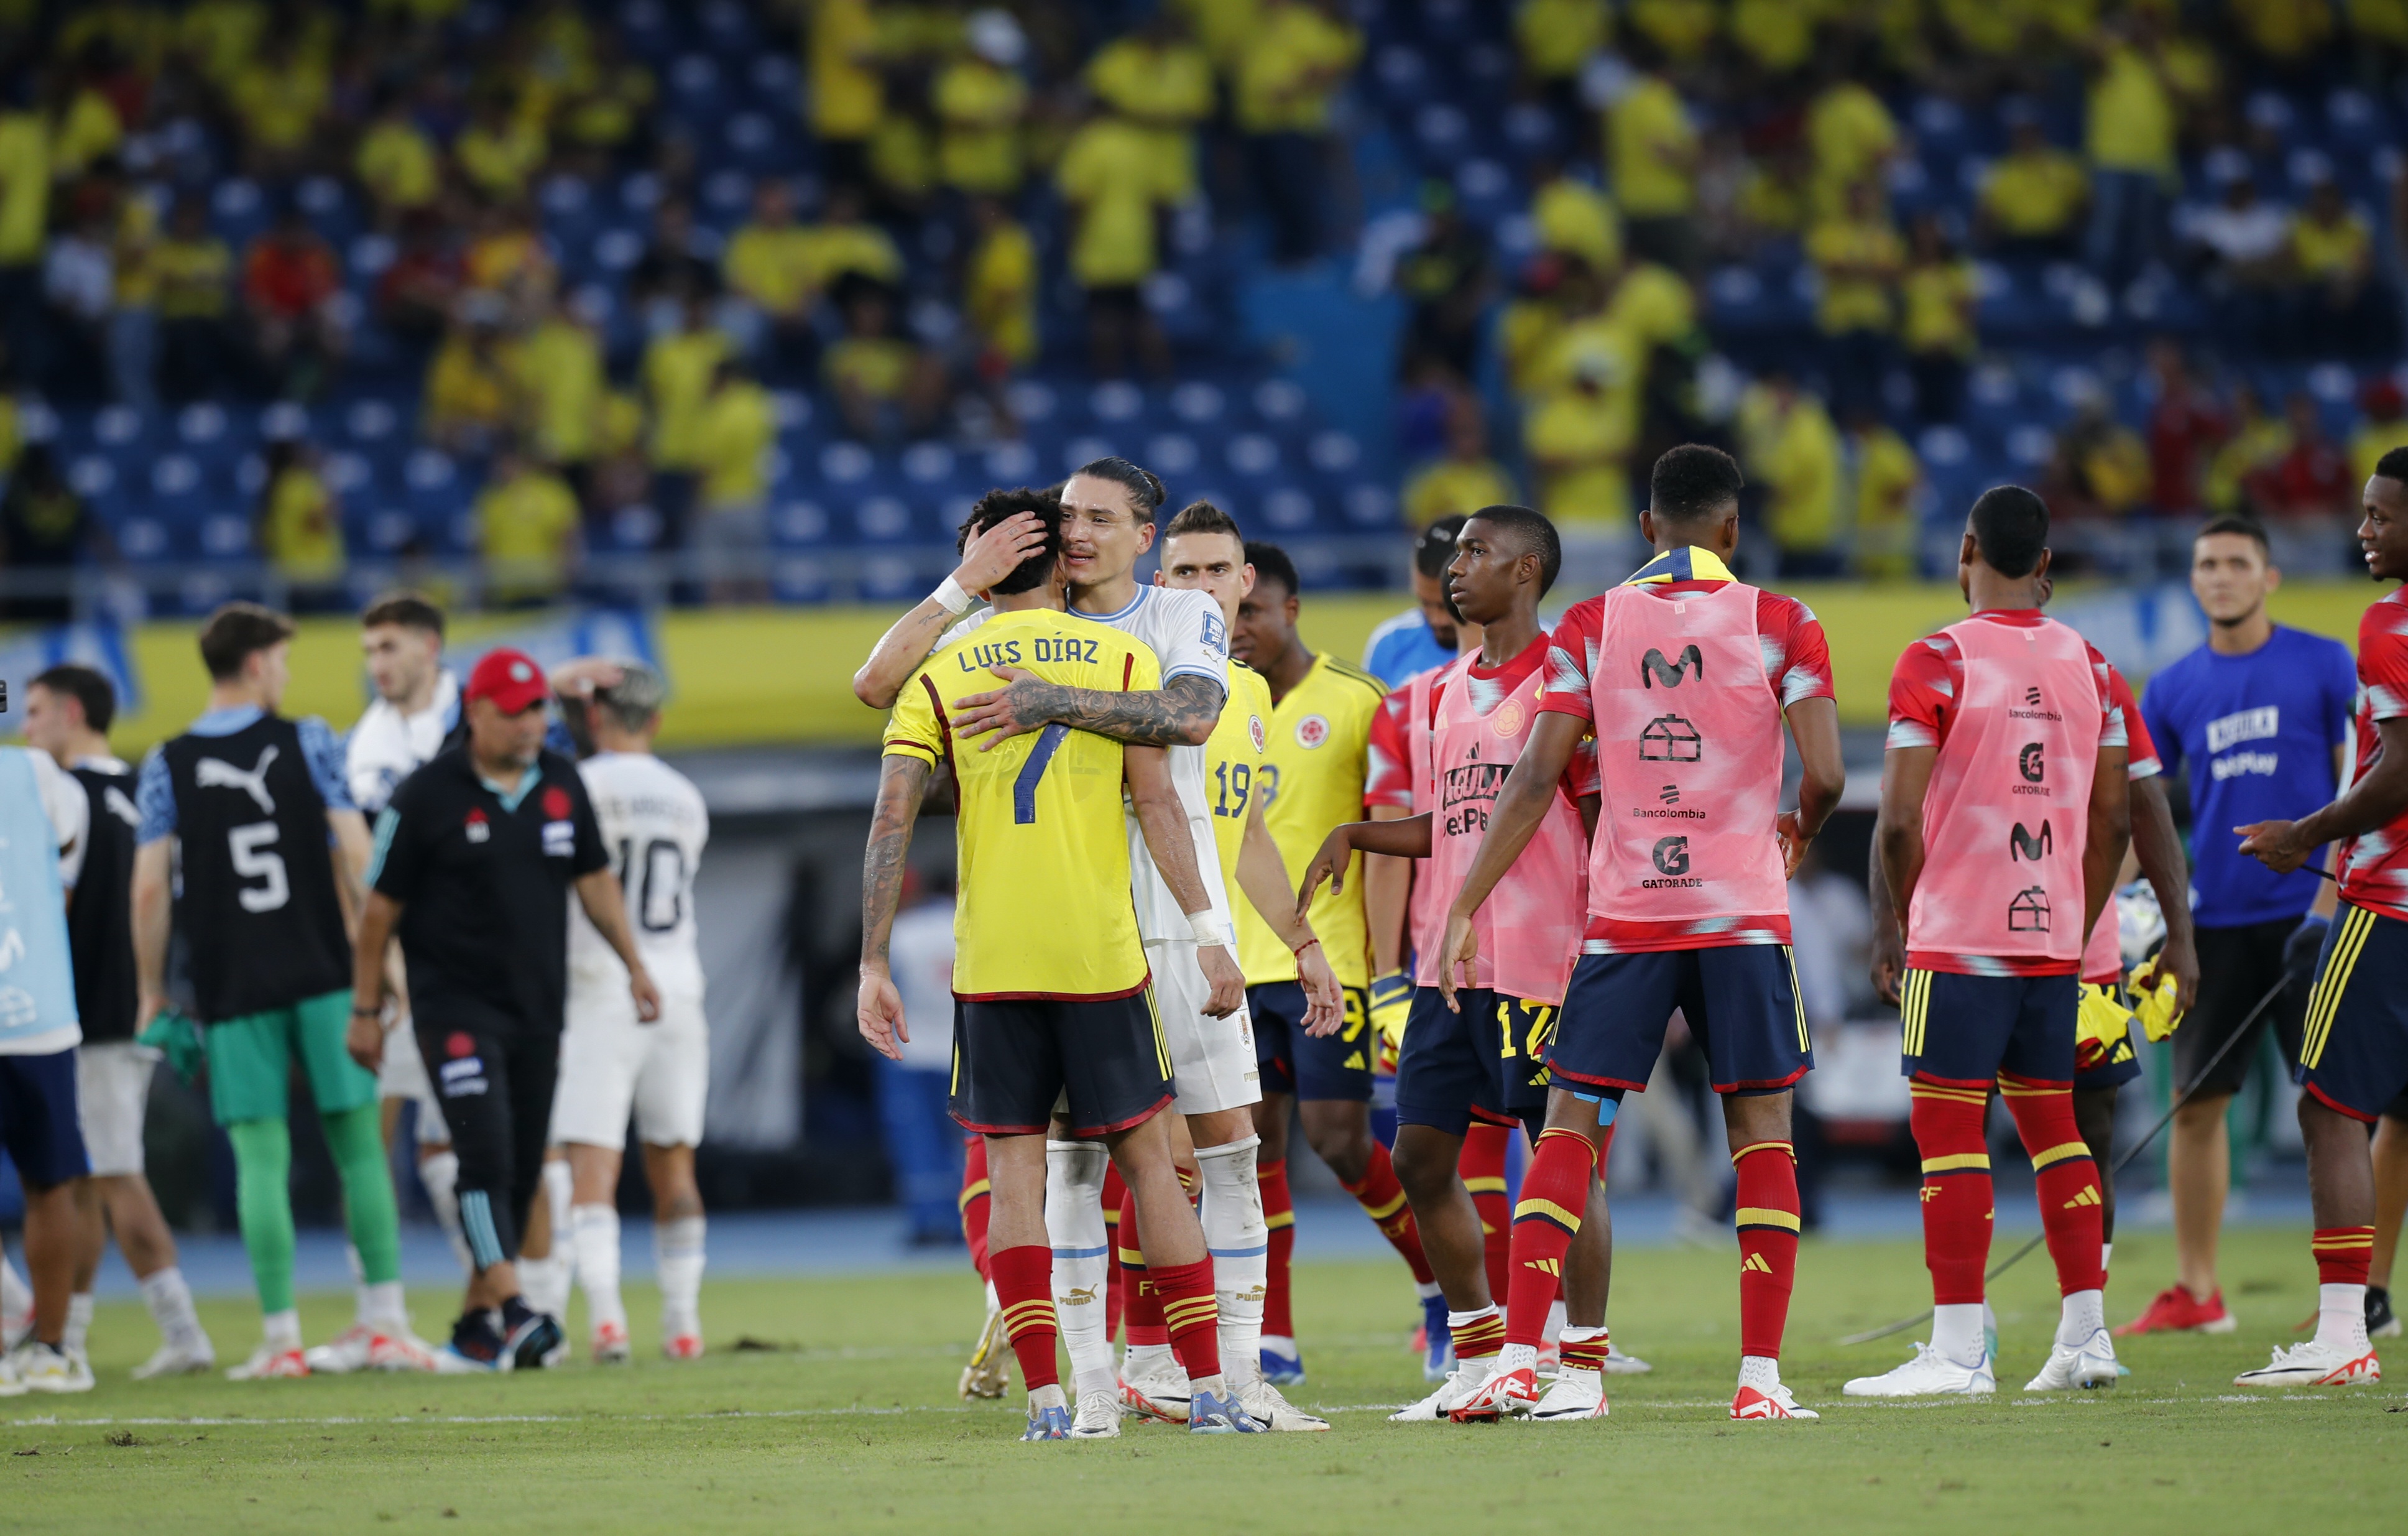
2255 735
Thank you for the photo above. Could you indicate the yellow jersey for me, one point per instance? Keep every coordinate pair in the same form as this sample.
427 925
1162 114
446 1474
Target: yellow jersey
1310 780
1042 907
1233 757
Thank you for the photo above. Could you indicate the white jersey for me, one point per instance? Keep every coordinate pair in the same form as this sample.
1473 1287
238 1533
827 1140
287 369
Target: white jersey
1184 629
920 956
655 826
387 746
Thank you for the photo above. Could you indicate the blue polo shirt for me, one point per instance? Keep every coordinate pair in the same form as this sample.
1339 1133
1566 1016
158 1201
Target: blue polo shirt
1404 647
2255 735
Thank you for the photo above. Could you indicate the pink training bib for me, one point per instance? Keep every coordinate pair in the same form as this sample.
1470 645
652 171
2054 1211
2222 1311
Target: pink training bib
1424 915
1689 750
1529 927
2008 807
2102 958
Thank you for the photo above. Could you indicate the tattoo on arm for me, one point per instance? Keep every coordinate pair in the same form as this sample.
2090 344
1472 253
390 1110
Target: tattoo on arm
1180 713
901 781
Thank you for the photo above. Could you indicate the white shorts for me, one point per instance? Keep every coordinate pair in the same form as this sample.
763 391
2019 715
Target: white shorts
1211 1060
402 1074
112 1090
611 1063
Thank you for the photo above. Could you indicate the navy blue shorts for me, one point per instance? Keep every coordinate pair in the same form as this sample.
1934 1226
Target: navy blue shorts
1740 1001
2354 1055
1487 1062
1336 1066
40 1127
2122 1065
1103 1060
1965 1030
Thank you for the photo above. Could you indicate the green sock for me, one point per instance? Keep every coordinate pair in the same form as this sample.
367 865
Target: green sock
263 1203
356 1140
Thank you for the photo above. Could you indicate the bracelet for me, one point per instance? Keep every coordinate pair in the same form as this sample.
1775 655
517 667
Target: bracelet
1299 949
952 598
1210 931
376 1012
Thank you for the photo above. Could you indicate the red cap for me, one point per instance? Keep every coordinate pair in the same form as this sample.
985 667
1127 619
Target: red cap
509 678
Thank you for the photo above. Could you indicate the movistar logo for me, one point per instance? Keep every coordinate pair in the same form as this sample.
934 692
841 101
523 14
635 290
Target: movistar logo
2023 845
1654 668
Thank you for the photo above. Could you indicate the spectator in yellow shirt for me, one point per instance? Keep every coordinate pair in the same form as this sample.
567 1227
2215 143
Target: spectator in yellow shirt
848 94
1777 36
2034 197
729 526
980 99
1652 146
2131 141
1681 30
844 244
299 528
1557 39
2341 310
84 126
1158 79
1793 453
527 530
397 164
1578 441
1000 291
1859 258
193 270
280 98
1853 139
1466 478
768 265
557 384
1889 480
1296 59
470 397
502 149
1937 296
134 317
1113 181
607 112
885 388
2384 427
2102 469
676 372
1575 216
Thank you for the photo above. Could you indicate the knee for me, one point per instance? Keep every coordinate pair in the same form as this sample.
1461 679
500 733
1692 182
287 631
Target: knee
2205 1114
1347 1150
1422 1170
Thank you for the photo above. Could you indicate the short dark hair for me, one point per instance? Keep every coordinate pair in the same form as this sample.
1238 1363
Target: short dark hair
2247 527
2011 529
992 507
1434 545
1271 566
88 686
410 609
1534 534
237 631
2393 465
1692 482
1143 485
1203 517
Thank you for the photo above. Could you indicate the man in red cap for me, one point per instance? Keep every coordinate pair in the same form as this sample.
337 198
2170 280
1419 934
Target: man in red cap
472 860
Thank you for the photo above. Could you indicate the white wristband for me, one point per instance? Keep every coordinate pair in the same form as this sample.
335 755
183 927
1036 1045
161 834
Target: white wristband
1209 930
951 597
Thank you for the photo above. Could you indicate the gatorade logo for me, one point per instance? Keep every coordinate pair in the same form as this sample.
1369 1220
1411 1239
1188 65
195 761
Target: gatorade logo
2023 845
1671 856
2031 764
1654 668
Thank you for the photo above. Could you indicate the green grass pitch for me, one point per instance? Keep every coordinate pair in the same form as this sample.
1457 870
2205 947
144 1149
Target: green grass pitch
852 1425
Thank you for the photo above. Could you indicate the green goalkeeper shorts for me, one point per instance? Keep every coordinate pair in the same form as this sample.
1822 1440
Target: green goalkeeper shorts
250 1060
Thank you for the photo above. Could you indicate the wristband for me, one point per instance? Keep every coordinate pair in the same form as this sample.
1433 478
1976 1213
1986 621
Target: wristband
1299 949
1210 931
952 598
376 1012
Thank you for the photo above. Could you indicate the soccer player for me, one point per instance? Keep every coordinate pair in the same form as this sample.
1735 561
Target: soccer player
68 709
42 833
1054 1004
1314 767
2354 1055
1108 519
2004 818
1423 637
612 1063
1481 1054
2259 716
475 855
416 709
247 803
1685 676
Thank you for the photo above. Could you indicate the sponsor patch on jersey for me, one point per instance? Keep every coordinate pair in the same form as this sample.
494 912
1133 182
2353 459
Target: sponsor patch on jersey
1254 729
555 802
462 1078
459 1043
1312 731
559 838
476 826
1508 718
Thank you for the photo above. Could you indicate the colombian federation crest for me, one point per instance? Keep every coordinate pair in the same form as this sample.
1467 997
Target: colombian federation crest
1312 731
1254 730
1509 719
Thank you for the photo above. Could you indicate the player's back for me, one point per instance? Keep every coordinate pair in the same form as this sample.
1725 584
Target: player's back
1043 884
655 826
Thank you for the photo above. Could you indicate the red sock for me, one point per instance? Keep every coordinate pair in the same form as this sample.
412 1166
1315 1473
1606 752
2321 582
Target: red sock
2343 1255
1382 1199
1193 1316
1957 1211
1024 1282
1767 1219
1483 1167
1113 1192
1140 1294
1554 1196
975 1202
2071 1206
1278 1214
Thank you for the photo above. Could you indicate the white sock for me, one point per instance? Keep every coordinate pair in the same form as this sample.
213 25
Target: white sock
1518 1358
170 1301
544 1282
2085 1314
1240 1244
439 1172
78 1323
677 1258
1145 1359
1552 1332
1424 1289
1218 1385
2106 1255
16 1297
2341 1318
1957 1332
1041 1398
594 1233
1761 1372
383 1307
363 1316
1074 1225
994 1302
282 1330
558 1186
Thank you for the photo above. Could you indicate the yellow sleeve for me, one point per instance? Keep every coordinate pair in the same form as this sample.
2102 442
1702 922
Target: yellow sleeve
911 729
1145 670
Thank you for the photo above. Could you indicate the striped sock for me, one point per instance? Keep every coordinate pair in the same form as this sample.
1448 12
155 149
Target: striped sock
1957 1198
1141 1291
1584 1349
2344 1254
1382 1199
2070 1205
1767 1219
1189 1310
1278 1214
975 1202
1477 1335
1554 1195
1483 1167
1023 1283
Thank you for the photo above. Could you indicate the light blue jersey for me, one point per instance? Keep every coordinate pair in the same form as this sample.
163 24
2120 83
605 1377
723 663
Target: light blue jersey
38 1004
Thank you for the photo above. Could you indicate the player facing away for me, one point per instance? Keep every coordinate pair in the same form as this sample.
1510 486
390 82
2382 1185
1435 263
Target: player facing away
1107 511
2004 818
2353 1056
613 1063
1054 1007
254 810
1685 676
1480 1057
476 858
68 709
1314 768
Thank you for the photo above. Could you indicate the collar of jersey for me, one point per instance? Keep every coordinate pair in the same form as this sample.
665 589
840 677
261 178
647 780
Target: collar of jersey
511 802
225 721
1686 563
1135 603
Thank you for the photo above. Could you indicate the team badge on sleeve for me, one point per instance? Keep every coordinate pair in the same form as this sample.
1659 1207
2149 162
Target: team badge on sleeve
1254 730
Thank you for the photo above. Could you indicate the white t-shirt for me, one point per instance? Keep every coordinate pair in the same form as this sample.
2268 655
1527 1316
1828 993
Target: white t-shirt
654 825
920 956
387 746
1184 629
69 809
